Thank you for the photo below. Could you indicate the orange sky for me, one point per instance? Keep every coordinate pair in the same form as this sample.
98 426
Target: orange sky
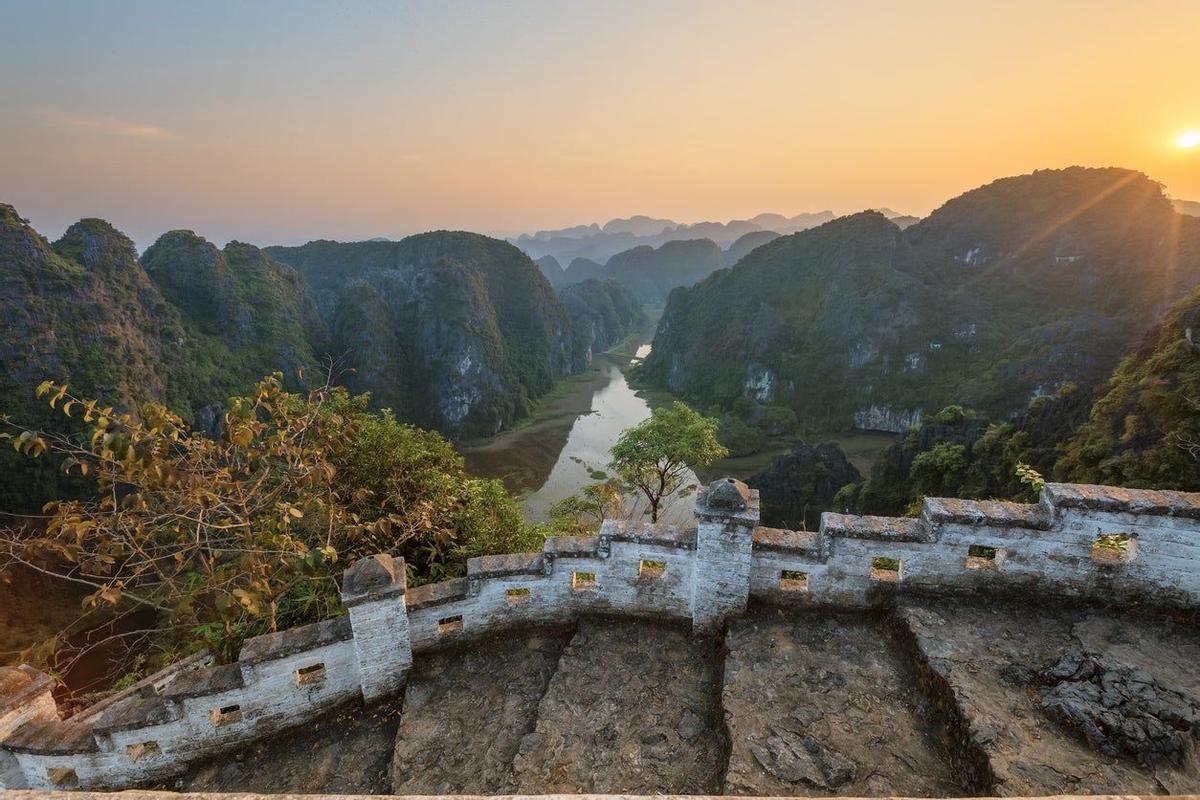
285 121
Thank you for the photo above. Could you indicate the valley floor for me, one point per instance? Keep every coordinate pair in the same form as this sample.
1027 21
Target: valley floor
933 698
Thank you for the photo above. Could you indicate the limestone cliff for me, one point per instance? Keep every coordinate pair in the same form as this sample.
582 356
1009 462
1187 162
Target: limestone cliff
1005 293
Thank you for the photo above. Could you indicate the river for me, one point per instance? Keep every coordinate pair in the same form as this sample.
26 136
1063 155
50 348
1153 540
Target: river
569 443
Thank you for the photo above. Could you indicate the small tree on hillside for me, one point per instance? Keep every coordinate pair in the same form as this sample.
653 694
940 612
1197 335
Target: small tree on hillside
655 455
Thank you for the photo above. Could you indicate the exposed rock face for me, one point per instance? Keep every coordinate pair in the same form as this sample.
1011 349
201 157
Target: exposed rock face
884 418
798 486
1120 710
240 297
455 331
989 301
346 752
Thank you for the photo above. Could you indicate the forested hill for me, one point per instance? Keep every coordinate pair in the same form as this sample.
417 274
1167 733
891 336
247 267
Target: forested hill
1006 292
455 331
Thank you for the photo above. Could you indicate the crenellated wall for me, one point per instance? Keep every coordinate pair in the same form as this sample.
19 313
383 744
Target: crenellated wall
196 709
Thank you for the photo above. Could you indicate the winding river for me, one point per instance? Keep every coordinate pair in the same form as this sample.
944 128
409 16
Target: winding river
569 443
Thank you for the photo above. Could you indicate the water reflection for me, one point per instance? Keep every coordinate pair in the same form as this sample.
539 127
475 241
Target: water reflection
581 457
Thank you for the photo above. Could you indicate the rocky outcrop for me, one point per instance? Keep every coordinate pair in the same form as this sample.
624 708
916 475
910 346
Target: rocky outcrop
885 418
1120 710
799 485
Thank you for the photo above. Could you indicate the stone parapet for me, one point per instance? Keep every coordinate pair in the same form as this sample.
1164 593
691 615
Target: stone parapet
1106 543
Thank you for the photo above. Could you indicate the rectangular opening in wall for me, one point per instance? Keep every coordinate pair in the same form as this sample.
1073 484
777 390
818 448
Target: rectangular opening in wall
981 557
582 581
519 595
225 716
62 777
792 580
447 625
137 752
885 570
1114 548
651 569
313 673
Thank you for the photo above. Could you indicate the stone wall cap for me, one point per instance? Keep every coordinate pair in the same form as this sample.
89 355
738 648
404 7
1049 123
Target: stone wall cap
19 685
659 533
991 513
1161 502
787 541
571 546
499 566
295 640
135 712
891 529
372 578
726 494
210 680
436 594
52 736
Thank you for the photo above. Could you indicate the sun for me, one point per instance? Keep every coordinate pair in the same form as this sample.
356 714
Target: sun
1188 140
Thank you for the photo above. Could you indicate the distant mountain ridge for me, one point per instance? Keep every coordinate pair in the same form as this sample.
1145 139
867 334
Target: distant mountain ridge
601 242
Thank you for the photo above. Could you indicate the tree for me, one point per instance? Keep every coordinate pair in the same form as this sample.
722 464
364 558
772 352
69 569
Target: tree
247 533
581 514
654 456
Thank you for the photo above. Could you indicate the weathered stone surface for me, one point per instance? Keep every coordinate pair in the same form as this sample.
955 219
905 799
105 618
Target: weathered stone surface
818 704
991 654
632 708
466 711
344 752
1120 710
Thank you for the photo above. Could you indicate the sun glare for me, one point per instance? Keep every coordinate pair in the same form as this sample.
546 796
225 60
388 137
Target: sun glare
1188 140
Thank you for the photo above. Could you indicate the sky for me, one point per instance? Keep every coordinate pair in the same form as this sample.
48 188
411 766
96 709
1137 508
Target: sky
281 121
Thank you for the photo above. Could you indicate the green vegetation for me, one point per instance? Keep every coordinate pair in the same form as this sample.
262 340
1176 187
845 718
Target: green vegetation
1004 293
654 455
223 538
1144 430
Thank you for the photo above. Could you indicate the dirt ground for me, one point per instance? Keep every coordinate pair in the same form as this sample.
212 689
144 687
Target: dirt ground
820 704
466 711
346 752
998 660
632 709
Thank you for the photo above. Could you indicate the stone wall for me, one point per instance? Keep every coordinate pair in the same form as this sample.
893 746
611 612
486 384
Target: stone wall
196 709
